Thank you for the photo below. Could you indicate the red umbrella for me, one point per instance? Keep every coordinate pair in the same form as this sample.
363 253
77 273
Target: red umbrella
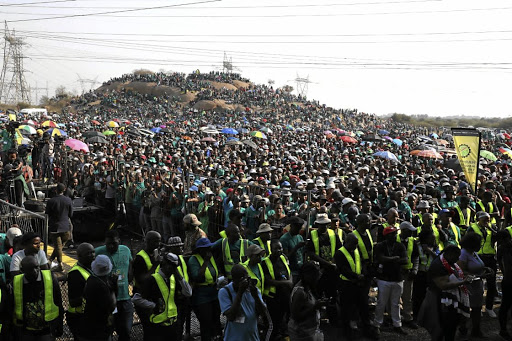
348 139
430 154
208 139
95 122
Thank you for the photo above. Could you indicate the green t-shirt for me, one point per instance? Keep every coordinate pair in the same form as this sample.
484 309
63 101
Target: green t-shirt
120 267
289 242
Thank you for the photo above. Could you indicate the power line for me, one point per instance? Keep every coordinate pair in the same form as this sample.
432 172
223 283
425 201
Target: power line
36 3
108 14
239 7
114 12
56 33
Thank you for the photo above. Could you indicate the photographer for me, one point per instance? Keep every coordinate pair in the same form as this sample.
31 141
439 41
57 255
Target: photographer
12 172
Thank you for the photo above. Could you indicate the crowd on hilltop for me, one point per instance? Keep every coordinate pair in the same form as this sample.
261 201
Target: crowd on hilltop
278 216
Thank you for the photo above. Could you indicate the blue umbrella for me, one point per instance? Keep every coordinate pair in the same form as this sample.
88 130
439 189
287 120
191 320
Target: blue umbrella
229 131
434 135
244 130
383 132
386 155
156 129
231 138
398 142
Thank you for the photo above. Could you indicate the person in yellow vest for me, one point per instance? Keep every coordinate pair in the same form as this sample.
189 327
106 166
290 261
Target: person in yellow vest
159 295
321 247
38 312
278 287
232 249
204 273
423 207
147 260
77 277
392 220
451 230
464 215
264 233
253 265
352 294
145 264
429 225
427 252
487 205
487 254
335 226
409 272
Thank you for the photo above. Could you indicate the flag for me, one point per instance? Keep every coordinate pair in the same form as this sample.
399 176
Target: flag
467 145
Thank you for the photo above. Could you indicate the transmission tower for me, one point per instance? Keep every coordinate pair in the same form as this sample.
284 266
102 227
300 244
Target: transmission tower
302 85
83 82
13 86
227 64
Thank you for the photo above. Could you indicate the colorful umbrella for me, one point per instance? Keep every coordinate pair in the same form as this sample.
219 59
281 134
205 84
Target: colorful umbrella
57 132
506 151
208 139
31 122
155 129
442 142
187 138
289 127
95 122
266 130
31 130
77 145
488 155
229 131
432 154
398 142
112 124
49 124
387 138
258 134
434 135
383 132
348 139
327 132
386 155
109 132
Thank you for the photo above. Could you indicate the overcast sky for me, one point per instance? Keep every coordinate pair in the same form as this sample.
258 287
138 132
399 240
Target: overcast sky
449 57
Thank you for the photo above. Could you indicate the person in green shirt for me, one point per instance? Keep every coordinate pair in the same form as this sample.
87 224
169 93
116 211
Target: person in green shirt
121 259
202 210
293 244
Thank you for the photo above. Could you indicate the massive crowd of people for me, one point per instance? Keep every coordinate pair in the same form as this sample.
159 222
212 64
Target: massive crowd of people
278 216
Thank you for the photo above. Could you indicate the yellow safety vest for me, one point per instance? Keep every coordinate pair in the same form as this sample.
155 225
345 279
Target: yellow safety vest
210 278
490 206
271 290
462 219
355 265
420 217
261 282
263 246
147 260
226 255
410 248
316 243
455 233
509 229
170 313
182 268
487 247
51 311
439 243
425 260
223 234
361 245
85 274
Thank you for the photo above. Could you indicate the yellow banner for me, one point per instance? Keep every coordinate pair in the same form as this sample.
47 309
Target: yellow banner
467 145
12 117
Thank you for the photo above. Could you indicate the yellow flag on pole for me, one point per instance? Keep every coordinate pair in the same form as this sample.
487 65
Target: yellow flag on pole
467 145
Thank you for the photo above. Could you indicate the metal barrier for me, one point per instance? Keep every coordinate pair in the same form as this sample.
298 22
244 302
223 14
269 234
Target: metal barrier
25 220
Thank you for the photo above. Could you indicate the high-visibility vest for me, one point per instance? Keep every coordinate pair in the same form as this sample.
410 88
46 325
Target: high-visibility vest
339 234
354 262
85 274
420 217
223 234
183 269
362 246
463 221
490 207
439 243
456 233
144 255
425 260
271 290
208 276
410 248
169 315
263 245
487 246
226 255
51 311
509 229
261 282
316 242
